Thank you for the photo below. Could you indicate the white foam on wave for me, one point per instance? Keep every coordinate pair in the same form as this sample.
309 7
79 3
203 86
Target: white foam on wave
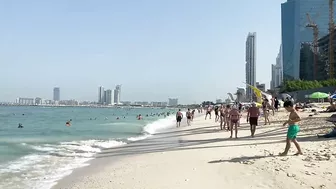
161 124
51 162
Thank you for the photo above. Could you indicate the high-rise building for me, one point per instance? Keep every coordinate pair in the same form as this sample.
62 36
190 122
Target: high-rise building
57 95
277 77
297 48
250 66
108 97
117 92
101 95
172 102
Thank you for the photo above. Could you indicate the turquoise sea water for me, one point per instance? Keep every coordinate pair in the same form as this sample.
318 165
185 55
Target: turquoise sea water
46 150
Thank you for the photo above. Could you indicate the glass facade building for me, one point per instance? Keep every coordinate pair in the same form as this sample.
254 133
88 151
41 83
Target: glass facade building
297 38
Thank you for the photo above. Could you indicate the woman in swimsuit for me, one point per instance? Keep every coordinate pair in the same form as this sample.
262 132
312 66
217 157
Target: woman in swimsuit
188 114
234 119
266 111
222 117
227 117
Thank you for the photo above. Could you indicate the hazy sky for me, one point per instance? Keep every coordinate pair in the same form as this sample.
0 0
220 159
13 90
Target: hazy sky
190 49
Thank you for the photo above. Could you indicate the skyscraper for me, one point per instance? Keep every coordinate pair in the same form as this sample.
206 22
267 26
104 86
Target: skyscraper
250 66
117 92
57 95
297 48
277 77
108 97
101 95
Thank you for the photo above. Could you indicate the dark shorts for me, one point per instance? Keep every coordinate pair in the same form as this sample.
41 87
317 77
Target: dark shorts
253 121
179 119
188 117
216 113
234 120
208 113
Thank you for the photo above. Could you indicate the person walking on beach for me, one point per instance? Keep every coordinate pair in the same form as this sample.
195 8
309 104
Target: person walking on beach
234 120
265 106
208 112
276 104
216 113
227 117
222 116
179 117
189 116
253 114
293 129
192 114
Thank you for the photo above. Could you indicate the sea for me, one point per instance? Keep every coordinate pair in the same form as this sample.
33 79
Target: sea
46 150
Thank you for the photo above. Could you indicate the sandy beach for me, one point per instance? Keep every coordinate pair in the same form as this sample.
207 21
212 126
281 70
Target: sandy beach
202 156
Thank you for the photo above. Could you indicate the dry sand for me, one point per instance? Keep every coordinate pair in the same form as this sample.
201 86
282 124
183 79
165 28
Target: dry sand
201 156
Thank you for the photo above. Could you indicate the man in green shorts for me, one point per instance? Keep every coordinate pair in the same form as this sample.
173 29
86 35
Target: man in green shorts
293 128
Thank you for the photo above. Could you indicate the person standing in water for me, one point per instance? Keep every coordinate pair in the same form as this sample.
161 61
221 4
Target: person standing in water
293 129
253 114
189 116
179 117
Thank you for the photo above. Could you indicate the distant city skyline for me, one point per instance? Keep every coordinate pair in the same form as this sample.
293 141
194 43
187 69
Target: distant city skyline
147 46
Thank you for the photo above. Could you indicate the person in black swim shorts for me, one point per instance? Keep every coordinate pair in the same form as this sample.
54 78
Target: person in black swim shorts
179 117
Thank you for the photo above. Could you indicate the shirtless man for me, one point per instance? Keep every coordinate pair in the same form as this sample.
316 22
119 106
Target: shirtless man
179 117
208 112
253 114
234 120
293 129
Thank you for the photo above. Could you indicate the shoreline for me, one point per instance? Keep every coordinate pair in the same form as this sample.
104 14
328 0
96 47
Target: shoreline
173 160
98 161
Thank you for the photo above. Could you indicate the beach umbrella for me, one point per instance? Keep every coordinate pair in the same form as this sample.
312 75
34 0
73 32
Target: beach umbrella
285 96
319 95
333 96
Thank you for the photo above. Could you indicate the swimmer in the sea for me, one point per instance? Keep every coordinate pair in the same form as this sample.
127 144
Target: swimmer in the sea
20 126
68 123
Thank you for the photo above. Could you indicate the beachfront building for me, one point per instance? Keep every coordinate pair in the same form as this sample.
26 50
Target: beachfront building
323 63
297 49
277 76
250 66
117 92
261 86
56 94
172 102
101 95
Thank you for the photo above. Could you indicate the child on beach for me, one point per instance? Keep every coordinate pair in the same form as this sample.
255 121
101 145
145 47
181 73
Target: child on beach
293 128
234 119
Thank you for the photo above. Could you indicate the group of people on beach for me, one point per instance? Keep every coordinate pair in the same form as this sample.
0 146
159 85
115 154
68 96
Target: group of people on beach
229 117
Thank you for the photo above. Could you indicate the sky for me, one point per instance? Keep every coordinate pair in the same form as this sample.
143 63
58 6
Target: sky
193 50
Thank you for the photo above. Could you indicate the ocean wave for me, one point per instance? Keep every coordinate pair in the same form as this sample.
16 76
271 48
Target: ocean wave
50 162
